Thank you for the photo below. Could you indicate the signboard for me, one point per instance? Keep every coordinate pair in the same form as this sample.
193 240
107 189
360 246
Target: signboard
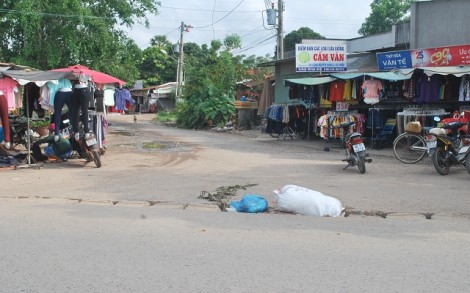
394 60
432 57
443 56
342 106
320 57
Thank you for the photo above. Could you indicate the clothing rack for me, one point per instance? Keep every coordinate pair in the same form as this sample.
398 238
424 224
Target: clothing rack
342 113
413 113
31 161
324 122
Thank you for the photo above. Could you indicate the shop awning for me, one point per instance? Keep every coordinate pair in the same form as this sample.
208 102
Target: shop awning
333 76
37 76
392 75
458 71
309 80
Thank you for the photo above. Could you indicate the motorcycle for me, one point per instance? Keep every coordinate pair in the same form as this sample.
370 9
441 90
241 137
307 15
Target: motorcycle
83 144
447 146
19 131
353 144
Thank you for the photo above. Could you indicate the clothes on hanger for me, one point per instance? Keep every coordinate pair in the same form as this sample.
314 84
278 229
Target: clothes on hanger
371 91
121 96
9 86
464 89
333 118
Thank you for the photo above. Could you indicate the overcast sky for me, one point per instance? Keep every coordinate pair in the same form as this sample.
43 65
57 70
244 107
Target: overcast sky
215 19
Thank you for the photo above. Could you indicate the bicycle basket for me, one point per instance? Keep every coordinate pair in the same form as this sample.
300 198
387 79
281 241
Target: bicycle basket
413 126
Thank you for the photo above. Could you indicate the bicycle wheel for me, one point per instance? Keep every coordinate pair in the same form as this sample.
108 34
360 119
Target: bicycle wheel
409 148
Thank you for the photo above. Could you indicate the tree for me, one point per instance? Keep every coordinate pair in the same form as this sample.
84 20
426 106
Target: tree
210 85
48 34
158 63
232 42
384 14
296 37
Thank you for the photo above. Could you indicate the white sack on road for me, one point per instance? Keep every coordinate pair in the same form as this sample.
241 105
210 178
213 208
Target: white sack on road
304 201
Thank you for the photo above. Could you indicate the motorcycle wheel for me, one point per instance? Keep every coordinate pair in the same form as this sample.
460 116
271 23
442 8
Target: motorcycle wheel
467 163
361 164
441 164
96 159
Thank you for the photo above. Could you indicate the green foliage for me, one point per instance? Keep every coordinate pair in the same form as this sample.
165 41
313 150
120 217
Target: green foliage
158 63
166 116
384 14
50 34
218 107
232 42
210 87
190 114
296 37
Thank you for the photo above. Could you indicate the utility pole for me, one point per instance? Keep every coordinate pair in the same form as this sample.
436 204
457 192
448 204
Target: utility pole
180 71
280 30
180 63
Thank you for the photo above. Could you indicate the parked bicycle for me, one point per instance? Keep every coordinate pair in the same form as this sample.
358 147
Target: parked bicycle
410 147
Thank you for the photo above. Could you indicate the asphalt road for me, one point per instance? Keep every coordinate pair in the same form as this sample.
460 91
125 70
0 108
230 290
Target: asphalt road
138 225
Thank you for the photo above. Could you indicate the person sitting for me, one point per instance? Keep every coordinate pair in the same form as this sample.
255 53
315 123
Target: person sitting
58 149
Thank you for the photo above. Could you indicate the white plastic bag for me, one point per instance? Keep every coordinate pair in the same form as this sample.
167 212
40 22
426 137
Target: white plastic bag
304 201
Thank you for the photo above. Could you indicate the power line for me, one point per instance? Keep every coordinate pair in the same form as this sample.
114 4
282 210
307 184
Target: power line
255 44
53 14
213 11
223 16
207 10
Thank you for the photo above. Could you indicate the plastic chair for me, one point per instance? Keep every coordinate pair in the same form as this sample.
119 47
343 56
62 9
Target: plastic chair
386 135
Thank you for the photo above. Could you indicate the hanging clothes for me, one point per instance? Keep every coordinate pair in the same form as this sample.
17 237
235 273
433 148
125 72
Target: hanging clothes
329 123
47 97
464 90
337 91
62 97
9 86
429 88
121 96
371 91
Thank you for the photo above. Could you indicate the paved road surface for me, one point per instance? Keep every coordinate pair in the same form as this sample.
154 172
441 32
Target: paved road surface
137 224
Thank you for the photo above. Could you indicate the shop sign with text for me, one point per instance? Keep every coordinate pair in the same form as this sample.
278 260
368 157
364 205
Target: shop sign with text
431 57
320 57
443 56
394 60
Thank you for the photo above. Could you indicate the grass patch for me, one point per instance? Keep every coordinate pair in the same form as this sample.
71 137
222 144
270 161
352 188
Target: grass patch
166 116
152 145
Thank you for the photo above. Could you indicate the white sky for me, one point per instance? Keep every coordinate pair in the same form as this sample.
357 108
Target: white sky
214 19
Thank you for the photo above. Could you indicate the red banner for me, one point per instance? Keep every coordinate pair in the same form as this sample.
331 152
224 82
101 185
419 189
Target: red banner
443 56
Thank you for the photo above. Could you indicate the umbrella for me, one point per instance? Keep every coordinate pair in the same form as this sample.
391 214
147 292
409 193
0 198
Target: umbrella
96 76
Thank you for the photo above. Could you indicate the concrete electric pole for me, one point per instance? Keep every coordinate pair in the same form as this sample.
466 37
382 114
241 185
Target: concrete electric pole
280 30
180 71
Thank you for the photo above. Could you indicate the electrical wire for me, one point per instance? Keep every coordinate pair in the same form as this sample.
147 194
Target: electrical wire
212 20
208 10
255 44
222 17
53 14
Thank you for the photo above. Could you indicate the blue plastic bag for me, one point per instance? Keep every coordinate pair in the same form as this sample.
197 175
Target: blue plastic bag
250 203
